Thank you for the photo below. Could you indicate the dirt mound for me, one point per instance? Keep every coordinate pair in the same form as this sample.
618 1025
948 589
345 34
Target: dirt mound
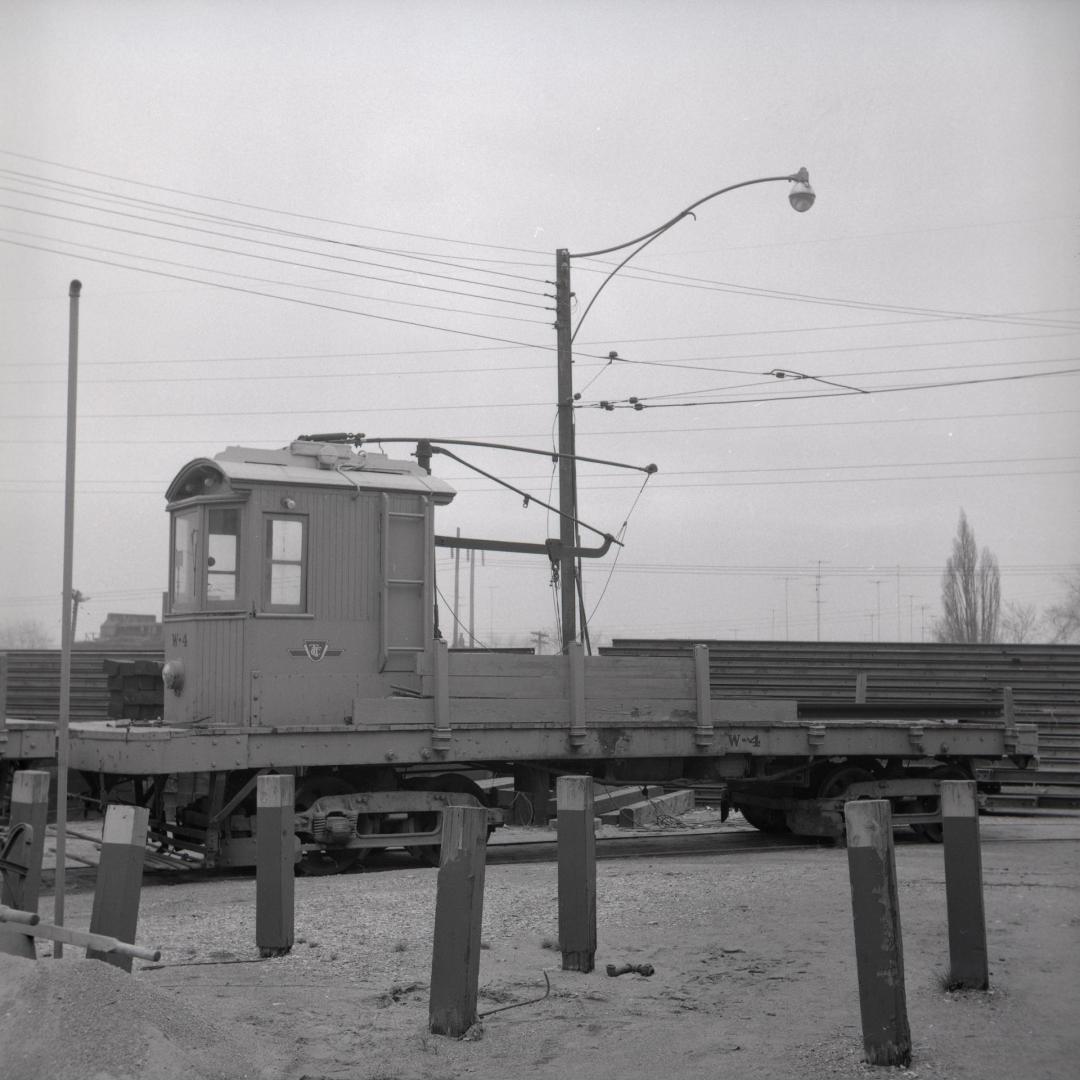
87 1020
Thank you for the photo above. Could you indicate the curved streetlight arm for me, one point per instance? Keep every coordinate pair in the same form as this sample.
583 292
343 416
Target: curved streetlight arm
801 177
801 197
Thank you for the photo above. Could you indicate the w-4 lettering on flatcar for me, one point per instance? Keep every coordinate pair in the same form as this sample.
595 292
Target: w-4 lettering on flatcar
735 739
179 641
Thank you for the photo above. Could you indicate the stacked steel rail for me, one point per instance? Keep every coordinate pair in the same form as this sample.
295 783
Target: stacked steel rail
1044 679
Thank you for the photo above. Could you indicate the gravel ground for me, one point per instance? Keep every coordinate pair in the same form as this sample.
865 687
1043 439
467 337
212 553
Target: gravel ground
754 976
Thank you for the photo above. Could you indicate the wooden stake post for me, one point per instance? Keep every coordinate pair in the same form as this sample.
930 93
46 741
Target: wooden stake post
968 966
459 912
577 873
275 865
119 881
878 947
26 835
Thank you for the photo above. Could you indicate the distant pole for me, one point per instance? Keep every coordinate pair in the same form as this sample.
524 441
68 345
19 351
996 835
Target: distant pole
457 594
67 627
472 599
898 631
817 589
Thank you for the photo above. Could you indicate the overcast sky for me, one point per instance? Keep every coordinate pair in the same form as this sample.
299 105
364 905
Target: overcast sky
296 217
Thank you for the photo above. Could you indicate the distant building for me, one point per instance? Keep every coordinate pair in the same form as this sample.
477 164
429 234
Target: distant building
121 630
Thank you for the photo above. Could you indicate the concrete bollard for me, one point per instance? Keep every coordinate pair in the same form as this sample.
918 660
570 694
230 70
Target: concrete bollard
879 949
118 888
275 865
459 913
577 873
968 964
26 836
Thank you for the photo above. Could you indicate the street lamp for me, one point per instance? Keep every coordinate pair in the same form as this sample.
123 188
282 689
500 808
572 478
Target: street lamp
801 197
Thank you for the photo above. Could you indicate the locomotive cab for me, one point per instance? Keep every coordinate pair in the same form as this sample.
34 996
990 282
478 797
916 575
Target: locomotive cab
300 581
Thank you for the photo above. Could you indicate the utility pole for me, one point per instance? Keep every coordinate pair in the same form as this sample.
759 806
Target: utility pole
472 599
817 601
878 584
567 470
898 631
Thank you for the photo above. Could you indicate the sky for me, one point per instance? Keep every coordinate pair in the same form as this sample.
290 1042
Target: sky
343 216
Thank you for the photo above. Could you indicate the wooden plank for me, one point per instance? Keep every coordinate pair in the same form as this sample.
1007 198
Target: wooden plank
118 885
879 952
504 665
649 811
459 911
577 873
275 849
968 962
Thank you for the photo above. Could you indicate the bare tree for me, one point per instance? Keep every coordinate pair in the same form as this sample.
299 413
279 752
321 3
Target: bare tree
1064 618
25 634
1020 623
970 591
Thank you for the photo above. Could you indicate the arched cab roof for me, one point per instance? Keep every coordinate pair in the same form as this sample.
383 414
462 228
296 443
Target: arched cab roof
307 464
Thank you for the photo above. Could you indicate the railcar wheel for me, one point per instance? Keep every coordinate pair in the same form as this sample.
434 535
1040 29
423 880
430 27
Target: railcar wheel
331 860
431 854
835 781
326 863
765 819
933 831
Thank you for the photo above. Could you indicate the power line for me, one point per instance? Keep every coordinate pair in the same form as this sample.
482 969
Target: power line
263 209
316 288
664 278
289 299
247 240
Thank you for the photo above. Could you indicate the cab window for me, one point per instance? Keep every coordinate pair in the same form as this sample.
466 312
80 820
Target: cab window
222 541
185 555
285 570
205 558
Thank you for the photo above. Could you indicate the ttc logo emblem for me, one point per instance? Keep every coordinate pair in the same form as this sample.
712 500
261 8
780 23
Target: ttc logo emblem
315 651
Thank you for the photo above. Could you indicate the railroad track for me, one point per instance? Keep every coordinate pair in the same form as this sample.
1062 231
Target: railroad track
737 839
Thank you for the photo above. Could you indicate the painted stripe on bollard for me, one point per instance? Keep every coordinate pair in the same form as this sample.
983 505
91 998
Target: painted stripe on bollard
968 963
577 873
118 888
879 952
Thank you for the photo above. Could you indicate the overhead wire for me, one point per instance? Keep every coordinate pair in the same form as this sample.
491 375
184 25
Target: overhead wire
315 288
442 259
291 299
252 206
264 243
643 402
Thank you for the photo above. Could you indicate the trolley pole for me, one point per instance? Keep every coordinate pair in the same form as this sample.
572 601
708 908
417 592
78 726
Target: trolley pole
567 469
